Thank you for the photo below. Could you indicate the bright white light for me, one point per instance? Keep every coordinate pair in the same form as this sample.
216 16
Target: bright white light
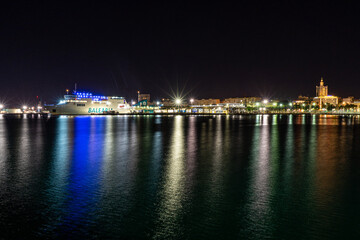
39 107
281 105
24 107
1 106
274 104
265 101
178 101
257 104
290 104
192 100
157 103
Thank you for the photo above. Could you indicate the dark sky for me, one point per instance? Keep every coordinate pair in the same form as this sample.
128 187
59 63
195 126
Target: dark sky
276 49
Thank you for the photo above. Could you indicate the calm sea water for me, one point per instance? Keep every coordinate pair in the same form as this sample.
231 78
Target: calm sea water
178 177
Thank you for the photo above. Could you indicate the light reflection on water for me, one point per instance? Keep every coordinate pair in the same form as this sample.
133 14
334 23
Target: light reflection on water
154 177
173 185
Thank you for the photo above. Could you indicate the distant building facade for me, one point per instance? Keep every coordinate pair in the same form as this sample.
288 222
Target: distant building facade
165 102
243 100
322 98
143 96
209 101
348 100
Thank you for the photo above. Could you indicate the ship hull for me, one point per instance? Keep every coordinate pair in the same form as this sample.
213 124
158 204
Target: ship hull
90 108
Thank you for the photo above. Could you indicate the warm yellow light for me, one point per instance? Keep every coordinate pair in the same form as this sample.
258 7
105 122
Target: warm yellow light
266 101
178 101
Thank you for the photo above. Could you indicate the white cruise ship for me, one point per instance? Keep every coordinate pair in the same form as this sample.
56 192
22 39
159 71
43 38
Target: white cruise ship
83 103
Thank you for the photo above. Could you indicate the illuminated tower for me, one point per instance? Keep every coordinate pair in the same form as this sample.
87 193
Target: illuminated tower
321 91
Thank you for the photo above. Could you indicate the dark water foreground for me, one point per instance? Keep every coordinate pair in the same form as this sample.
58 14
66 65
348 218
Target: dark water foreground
179 177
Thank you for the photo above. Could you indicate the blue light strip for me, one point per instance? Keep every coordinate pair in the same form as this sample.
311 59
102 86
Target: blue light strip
89 95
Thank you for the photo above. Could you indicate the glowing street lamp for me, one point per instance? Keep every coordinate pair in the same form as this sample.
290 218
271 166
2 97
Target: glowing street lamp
158 103
274 104
1 106
178 101
191 100
24 107
265 101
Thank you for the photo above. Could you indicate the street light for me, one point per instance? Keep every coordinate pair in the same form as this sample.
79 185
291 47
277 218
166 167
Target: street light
1 106
178 101
265 101
191 100
24 107
157 103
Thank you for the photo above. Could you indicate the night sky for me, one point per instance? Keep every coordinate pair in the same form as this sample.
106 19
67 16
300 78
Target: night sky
275 49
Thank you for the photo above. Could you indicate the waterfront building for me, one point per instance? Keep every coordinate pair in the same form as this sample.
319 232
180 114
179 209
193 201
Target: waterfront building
243 100
302 100
165 102
322 97
143 96
13 111
348 100
209 101
357 105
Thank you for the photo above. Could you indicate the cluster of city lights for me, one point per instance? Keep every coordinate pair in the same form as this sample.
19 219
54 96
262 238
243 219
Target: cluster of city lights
24 107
